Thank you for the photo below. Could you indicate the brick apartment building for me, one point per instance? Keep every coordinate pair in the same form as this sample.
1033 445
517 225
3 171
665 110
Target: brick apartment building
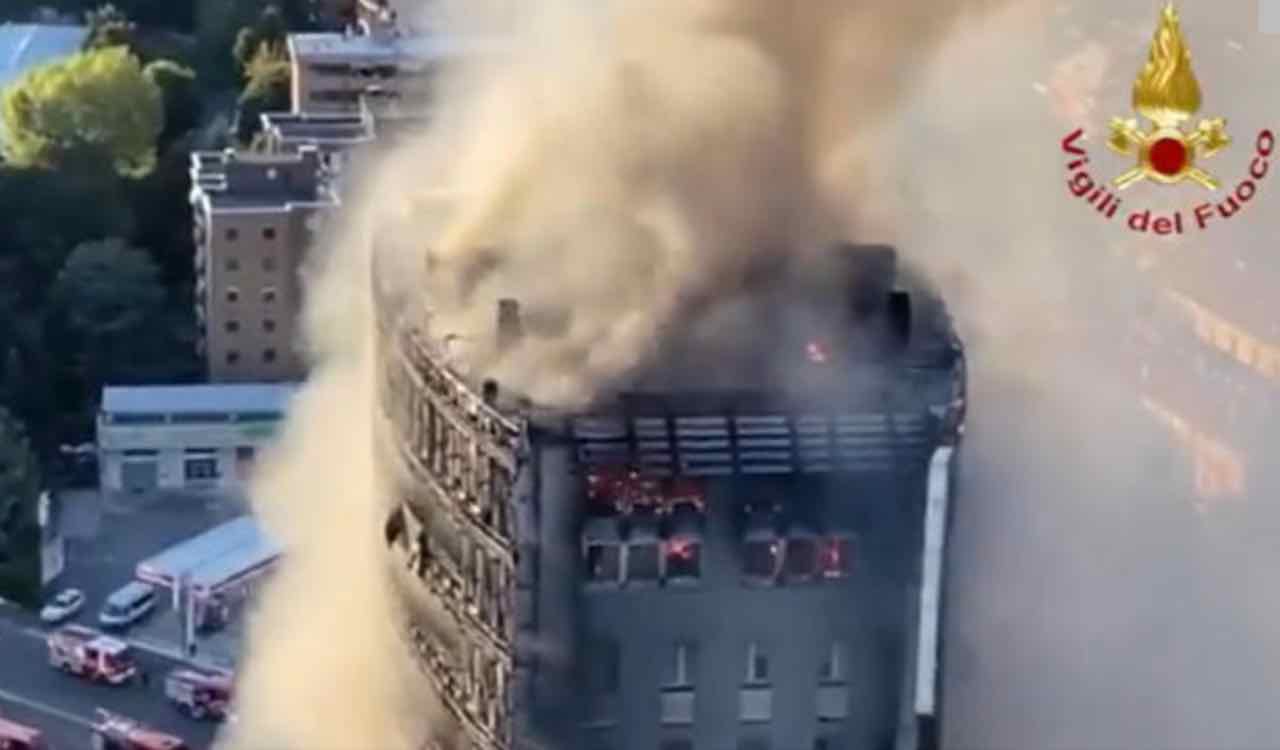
255 215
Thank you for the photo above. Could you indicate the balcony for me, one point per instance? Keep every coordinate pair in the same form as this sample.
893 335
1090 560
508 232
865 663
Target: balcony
755 703
677 706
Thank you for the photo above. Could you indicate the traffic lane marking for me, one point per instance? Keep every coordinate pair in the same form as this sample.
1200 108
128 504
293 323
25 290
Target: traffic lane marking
46 708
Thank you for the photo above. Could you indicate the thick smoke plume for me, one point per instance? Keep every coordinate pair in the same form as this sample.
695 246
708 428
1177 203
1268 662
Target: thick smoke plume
623 169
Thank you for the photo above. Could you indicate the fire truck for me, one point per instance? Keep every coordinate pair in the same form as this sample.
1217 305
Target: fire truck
86 653
115 732
200 694
15 736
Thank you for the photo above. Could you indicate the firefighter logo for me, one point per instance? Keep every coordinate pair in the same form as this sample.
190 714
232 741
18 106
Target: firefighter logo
1167 94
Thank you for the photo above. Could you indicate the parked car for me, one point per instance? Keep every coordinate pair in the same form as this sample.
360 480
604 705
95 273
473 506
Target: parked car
129 604
64 606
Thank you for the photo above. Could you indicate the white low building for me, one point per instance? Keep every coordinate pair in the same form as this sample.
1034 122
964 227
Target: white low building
185 437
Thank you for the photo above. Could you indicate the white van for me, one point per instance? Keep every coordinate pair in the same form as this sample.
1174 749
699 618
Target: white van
127 605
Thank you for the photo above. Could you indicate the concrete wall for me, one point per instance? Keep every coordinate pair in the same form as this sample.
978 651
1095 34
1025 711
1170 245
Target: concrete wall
171 443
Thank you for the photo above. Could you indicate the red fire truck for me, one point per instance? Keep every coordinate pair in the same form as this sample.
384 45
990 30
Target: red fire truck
115 732
200 694
15 736
86 653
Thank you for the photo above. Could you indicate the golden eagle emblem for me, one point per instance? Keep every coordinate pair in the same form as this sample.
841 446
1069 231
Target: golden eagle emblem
1167 93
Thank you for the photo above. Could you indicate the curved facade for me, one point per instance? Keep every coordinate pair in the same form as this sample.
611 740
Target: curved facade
673 570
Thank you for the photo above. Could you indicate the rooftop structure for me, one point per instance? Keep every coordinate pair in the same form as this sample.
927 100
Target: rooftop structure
255 217
376 61
212 402
753 559
220 556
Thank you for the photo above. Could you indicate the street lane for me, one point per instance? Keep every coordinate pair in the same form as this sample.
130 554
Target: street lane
52 700
62 731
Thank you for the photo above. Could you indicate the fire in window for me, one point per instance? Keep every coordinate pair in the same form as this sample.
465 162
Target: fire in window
684 558
836 557
604 563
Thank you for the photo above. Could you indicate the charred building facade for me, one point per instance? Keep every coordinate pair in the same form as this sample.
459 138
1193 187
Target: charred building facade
681 566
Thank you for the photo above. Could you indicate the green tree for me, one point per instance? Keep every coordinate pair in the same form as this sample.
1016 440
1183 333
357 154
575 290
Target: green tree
109 303
269 30
177 86
109 27
267 85
20 484
97 102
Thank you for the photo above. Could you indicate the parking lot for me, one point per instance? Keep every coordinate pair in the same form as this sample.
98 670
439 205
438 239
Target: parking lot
107 536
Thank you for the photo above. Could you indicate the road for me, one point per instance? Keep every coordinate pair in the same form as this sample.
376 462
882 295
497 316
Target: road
62 706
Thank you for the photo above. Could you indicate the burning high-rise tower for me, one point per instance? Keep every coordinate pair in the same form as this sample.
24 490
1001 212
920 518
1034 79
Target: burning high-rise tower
739 546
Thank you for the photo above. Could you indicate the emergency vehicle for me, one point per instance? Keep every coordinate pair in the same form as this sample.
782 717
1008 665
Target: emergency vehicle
15 736
198 693
115 732
86 653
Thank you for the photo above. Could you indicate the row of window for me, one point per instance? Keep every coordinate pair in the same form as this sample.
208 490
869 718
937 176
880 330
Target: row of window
268 325
268 356
269 294
233 234
750 743
680 665
795 559
268 263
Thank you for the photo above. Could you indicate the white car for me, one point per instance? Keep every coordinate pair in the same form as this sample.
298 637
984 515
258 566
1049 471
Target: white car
63 606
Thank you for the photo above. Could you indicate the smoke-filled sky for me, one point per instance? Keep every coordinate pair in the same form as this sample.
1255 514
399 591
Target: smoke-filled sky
624 165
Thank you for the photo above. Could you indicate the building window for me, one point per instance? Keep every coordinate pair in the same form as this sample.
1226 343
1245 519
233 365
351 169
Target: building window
604 563
232 235
268 325
837 557
832 669
684 558
642 562
271 175
245 452
761 557
676 744
802 557
757 665
233 326
681 666
233 264
269 355
269 294
269 233
753 743
233 294
269 263
233 357
196 469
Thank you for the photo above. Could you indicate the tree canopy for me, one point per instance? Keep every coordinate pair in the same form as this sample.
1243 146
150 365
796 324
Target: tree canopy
177 84
97 101
108 299
268 79
109 27
19 485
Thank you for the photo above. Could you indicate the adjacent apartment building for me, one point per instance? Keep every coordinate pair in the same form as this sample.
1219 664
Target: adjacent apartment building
255 216
378 59
753 565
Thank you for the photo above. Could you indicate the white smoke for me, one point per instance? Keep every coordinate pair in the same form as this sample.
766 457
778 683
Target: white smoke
617 161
